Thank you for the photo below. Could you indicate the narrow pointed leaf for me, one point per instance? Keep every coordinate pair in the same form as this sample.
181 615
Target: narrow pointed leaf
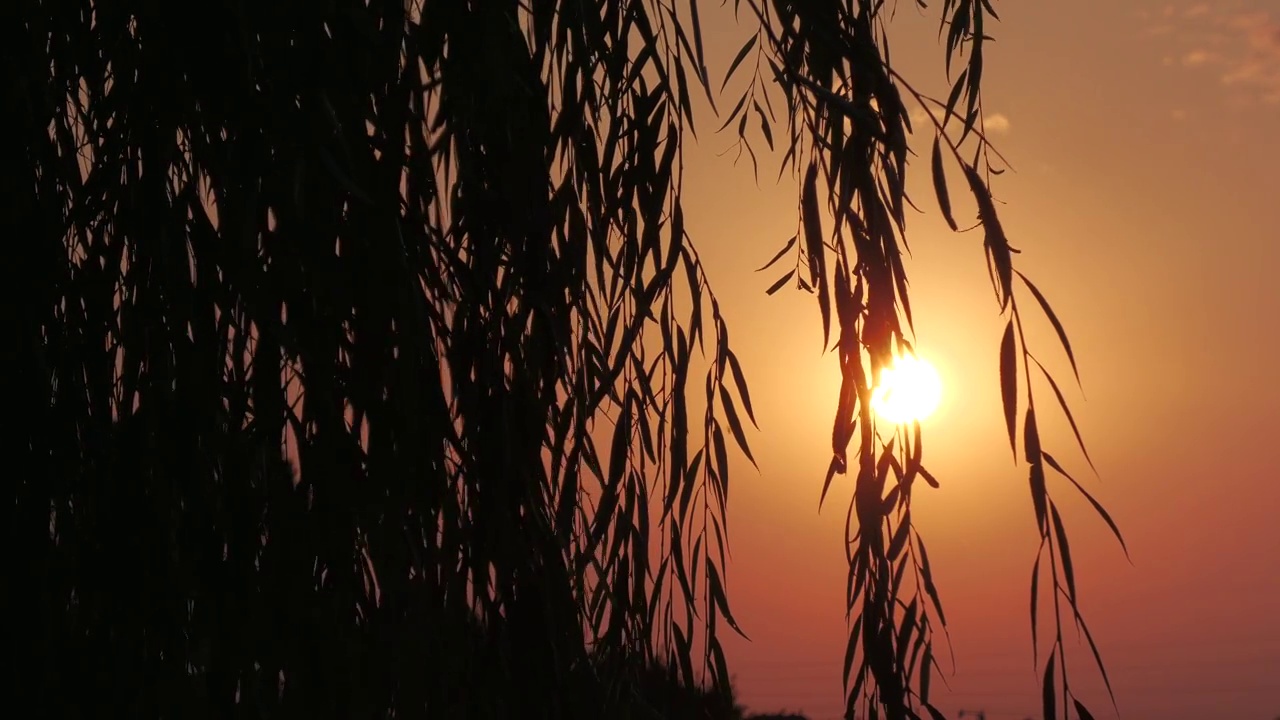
1064 551
1049 695
1097 656
1066 410
1097 506
851 648
814 246
790 244
832 469
777 285
740 381
940 185
1053 319
720 598
1035 599
1009 384
735 425
737 60
926 574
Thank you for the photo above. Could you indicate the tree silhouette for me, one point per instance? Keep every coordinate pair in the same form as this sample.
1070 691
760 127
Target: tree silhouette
433 255
848 127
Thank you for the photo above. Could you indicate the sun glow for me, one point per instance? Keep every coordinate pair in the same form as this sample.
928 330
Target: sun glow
909 390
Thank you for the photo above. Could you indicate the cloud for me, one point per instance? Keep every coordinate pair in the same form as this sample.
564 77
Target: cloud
1196 57
1178 114
1250 71
1265 38
994 123
918 117
1196 11
1242 48
997 123
1258 66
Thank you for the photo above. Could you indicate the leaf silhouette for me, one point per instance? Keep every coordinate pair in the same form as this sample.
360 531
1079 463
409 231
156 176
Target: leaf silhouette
740 382
1035 598
700 57
928 477
718 594
1062 402
1039 496
1009 384
1093 648
1102 512
940 185
926 573
899 540
851 649
1050 695
777 284
1064 551
814 246
764 126
785 249
994 240
737 59
1053 319
735 425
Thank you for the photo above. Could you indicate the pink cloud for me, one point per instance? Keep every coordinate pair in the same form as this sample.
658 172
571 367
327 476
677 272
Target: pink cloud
1246 45
1266 38
1196 11
1196 57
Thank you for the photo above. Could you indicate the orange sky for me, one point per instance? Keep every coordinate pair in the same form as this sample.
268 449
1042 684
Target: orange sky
1146 203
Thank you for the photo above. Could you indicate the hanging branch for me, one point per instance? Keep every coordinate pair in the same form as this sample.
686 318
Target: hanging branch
848 129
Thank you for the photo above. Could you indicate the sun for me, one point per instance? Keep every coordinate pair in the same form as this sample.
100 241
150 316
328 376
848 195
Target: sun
909 390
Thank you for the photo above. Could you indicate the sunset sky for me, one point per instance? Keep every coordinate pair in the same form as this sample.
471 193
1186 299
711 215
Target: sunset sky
1146 201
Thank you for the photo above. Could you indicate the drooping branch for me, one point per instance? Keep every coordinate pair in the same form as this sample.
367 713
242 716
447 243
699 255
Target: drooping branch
848 129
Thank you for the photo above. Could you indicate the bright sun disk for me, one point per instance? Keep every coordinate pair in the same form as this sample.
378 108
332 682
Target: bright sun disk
909 390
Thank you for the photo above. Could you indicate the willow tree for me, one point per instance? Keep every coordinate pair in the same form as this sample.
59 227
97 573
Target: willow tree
848 125
355 343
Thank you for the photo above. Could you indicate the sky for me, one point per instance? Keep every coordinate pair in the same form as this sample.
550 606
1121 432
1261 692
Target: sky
1146 200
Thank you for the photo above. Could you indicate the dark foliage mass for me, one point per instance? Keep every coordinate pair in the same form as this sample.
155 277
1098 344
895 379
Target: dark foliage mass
355 350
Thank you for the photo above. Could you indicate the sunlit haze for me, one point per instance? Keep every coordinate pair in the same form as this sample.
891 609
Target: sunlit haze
907 390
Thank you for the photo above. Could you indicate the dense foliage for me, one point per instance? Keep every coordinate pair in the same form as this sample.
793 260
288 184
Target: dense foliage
354 342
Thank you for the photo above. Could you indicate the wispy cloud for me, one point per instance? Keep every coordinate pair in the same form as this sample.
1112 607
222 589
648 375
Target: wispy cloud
1196 57
993 123
1257 65
997 123
1198 10
1241 48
